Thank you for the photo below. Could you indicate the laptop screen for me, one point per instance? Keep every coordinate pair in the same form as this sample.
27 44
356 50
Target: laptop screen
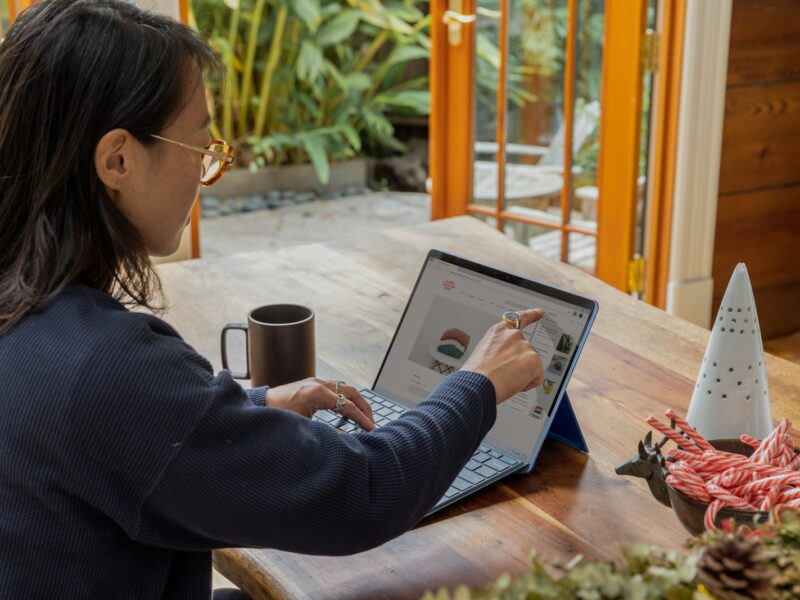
453 304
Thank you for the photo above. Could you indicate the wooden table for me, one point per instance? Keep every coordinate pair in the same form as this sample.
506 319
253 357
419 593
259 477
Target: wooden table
638 361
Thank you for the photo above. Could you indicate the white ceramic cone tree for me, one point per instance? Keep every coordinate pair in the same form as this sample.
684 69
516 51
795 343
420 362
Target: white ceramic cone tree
731 395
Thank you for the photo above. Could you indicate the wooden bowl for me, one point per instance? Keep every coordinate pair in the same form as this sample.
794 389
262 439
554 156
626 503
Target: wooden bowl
691 513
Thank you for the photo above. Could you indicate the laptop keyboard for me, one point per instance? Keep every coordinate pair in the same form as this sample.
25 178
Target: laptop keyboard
485 466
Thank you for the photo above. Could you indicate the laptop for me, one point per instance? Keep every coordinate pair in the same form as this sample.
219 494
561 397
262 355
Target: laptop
453 303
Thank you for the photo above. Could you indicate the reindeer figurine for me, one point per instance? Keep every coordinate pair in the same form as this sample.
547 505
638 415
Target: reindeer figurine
649 464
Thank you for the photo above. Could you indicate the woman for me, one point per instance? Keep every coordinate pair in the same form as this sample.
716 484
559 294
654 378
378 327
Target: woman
123 459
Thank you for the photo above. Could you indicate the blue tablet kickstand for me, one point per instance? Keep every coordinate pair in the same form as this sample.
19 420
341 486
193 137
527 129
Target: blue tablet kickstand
565 427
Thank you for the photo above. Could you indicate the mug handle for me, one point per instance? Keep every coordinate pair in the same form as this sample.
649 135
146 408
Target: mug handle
224 348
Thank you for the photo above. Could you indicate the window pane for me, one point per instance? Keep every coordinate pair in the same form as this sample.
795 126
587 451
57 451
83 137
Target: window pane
487 64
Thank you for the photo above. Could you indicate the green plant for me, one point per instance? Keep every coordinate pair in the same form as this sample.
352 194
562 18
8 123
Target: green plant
314 81
648 572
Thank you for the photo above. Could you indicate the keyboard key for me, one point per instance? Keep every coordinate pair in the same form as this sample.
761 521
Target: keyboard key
383 411
460 484
471 476
480 457
497 465
367 394
486 471
327 417
472 465
348 427
509 461
495 453
483 448
450 492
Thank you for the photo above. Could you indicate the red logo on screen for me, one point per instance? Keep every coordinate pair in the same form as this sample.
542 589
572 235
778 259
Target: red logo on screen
448 285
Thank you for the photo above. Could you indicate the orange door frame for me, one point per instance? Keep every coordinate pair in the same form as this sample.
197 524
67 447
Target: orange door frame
665 146
452 84
620 132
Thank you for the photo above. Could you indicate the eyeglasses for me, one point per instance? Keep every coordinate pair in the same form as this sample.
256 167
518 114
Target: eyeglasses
217 157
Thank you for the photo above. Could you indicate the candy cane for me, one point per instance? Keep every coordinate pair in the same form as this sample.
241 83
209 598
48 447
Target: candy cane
771 497
750 441
689 430
765 484
672 434
768 480
698 493
732 500
711 514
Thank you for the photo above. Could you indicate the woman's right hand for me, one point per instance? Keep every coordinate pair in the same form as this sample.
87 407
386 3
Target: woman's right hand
507 358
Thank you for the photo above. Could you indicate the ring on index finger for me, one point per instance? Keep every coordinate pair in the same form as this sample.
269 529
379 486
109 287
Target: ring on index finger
336 387
341 402
512 318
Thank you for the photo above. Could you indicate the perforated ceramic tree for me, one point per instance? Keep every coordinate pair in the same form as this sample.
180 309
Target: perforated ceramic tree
731 395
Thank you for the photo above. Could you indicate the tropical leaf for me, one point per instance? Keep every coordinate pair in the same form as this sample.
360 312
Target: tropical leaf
309 12
407 12
407 53
323 77
309 61
352 136
358 81
338 28
315 149
418 100
328 10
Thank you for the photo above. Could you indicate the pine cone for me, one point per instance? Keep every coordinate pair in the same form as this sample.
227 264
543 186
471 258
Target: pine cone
735 568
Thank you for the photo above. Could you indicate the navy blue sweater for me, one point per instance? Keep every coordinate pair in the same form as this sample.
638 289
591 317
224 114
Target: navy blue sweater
124 460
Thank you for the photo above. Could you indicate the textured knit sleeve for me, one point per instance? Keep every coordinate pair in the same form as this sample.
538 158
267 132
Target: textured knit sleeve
247 476
258 395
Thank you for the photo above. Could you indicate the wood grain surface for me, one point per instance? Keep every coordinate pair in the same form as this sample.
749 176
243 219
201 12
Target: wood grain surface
762 229
760 137
759 178
765 41
638 361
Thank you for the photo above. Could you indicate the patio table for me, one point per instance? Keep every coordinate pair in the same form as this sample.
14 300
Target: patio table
638 361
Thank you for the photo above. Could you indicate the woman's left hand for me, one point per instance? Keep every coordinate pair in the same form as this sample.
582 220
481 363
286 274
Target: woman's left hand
307 396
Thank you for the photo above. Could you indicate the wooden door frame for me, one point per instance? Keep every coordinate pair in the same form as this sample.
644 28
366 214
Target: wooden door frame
664 147
15 7
620 132
451 119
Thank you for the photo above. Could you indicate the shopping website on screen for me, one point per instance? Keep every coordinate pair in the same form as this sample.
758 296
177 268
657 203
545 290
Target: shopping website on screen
451 310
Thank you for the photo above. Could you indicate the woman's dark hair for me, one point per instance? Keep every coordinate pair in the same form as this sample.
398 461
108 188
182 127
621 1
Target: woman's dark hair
70 71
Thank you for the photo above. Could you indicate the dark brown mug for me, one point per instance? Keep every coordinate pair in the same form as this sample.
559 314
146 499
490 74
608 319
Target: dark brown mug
280 344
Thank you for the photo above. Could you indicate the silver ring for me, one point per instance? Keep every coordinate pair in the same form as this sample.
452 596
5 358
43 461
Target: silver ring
341 402
512 318
336 387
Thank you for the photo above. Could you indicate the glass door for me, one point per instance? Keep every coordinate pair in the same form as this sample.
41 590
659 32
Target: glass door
548 166
549 101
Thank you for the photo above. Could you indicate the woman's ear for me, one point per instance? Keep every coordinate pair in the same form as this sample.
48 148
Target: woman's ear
113 159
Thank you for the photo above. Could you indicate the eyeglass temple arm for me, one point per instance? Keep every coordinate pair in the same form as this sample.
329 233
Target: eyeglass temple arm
217 155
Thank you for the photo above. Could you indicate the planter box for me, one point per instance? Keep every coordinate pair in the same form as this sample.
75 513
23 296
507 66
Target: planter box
299 178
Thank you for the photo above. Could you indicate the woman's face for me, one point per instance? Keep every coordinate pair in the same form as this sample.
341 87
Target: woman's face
164 178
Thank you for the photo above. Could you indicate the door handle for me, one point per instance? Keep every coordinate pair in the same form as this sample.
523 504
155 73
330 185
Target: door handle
455 22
